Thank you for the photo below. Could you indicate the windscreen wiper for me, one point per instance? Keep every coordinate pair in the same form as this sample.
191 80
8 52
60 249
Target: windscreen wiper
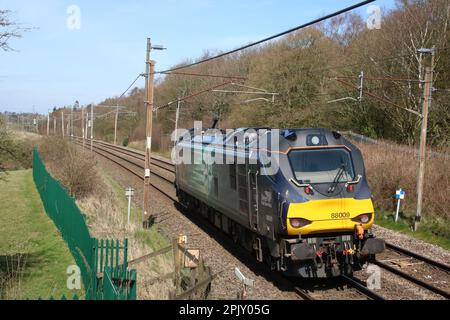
336 179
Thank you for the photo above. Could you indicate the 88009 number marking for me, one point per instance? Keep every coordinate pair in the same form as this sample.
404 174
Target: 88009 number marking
340 215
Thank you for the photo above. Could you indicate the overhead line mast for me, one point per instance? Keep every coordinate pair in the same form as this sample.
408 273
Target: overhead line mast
149 86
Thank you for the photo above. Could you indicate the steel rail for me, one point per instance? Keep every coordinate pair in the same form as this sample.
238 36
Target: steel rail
138 165
302 293
136 154
410 278
105 154
153 162
107 146
437 264
362 288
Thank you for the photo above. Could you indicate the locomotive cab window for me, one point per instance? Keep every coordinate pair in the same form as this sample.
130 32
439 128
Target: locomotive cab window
322 165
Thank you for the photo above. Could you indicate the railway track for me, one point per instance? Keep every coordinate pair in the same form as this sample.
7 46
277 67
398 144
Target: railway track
133 165
361 287
417 269
164 171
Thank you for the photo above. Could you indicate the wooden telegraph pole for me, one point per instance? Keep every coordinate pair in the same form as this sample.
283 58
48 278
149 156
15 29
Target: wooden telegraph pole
54 125
426 103
149 70
149 77
115 122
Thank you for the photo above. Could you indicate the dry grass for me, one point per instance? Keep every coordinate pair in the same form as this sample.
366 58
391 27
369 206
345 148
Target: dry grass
102 200
73 167
389 169
107 219
26 136
11 276
138 145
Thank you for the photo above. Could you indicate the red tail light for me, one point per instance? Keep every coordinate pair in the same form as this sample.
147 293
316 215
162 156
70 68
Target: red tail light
309 191
298 223
350 188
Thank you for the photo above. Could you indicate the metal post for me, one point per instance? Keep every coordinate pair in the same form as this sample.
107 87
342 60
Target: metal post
426 103
71 122
48 123
361 86
82 125
177 116
246 282
129 208
129 192
92 127
398 210
87 122
62 123
148 146
115 123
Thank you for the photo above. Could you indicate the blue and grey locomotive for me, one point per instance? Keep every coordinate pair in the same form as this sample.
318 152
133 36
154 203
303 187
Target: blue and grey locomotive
298 198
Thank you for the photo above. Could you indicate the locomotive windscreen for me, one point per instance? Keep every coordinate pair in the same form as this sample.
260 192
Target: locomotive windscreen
322 165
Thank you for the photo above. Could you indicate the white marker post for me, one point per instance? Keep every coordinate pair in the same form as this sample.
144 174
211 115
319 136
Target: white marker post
399 195
129 192
246 282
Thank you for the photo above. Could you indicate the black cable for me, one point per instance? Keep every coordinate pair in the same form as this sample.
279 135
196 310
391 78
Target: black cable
140 74
355 6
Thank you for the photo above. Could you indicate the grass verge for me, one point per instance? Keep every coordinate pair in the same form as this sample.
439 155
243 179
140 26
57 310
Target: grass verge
106 210
33 256
151 237
435 230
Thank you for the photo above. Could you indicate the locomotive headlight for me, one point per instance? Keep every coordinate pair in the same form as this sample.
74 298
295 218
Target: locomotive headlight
315 140
363 218
298 223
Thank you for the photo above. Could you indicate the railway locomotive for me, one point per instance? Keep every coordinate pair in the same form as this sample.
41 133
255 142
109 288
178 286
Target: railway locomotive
298 198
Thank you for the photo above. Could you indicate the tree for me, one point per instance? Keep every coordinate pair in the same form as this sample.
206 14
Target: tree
303 68
9 29
6 146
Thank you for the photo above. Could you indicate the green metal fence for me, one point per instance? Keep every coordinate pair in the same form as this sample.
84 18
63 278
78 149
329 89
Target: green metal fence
103 264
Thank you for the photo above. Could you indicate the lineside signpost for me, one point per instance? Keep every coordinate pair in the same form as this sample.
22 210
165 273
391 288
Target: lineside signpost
399 195
129 192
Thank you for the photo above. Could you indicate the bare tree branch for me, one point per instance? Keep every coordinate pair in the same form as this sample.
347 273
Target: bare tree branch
9 29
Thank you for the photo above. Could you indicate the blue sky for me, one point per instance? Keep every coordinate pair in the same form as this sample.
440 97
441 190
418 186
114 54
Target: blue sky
54 66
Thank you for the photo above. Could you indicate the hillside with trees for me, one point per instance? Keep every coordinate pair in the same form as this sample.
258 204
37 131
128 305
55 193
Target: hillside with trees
303 67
